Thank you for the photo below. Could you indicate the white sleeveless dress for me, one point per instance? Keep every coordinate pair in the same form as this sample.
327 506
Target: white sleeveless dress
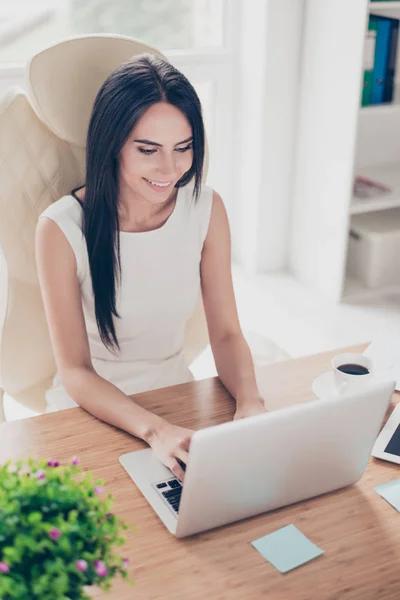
160 287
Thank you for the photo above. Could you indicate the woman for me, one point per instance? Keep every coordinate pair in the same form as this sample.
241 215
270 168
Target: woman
122 259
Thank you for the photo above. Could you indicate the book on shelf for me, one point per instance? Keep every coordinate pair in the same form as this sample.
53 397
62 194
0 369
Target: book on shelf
391 62
380 57
365 188
369 54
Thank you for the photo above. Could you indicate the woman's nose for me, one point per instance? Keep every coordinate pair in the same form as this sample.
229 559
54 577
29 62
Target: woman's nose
168 168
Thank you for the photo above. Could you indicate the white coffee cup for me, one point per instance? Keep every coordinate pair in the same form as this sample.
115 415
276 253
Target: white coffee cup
350 382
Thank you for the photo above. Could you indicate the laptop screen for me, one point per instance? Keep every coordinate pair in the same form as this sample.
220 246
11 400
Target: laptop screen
393 446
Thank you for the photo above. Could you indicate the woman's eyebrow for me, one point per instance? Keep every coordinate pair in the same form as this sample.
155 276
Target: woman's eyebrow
160 145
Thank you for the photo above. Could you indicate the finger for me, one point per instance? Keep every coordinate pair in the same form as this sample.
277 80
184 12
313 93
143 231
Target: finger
182 455
185 443
177 471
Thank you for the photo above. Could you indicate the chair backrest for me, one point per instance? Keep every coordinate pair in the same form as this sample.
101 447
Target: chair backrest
42 157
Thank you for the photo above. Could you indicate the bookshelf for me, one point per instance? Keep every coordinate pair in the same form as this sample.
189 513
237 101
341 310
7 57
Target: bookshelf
388 175
337 140
390 109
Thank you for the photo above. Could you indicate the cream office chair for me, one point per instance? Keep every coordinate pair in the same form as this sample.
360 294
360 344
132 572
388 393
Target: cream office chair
42 157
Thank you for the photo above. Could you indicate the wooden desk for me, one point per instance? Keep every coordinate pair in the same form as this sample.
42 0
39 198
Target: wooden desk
358 530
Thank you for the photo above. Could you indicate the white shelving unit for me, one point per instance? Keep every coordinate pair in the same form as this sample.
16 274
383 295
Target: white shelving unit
377 156
338 139
388 175
355 292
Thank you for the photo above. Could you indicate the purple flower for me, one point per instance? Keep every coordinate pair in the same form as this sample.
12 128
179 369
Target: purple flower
125 563
81 565
109 515
55 534
100 568
75 460
40 474
98 489
53 463
4 568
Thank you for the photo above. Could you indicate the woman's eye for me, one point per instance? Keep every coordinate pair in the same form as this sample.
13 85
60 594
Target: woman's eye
184 149
144 151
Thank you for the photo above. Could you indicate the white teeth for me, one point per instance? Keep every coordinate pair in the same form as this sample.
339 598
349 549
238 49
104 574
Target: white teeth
159 184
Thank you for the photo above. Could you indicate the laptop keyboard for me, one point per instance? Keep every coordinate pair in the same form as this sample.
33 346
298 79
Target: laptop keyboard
171 492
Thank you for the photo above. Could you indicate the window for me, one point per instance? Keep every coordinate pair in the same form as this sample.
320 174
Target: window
27 26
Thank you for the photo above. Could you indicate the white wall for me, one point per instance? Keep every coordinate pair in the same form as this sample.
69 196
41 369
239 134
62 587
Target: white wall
284 37
268 74
328 111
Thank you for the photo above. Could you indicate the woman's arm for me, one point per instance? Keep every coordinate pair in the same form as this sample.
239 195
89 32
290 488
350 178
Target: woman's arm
59 284
231 352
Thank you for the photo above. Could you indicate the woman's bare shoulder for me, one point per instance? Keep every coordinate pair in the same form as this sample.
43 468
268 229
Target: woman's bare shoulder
80 193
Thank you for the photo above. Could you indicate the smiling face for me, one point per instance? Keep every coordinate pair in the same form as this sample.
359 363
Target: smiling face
158 151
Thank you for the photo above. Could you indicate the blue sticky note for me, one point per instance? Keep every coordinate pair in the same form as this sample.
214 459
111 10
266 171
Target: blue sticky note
390 492
286 548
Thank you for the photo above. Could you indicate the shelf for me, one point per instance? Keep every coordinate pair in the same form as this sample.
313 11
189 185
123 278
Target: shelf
388 175
384 6
354 291
387 107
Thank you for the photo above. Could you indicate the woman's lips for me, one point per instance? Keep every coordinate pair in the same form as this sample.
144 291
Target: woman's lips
157 188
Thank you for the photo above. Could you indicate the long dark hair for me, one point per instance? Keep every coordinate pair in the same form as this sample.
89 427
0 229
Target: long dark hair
123 98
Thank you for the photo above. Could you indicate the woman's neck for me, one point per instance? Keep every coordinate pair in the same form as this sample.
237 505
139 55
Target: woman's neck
137 214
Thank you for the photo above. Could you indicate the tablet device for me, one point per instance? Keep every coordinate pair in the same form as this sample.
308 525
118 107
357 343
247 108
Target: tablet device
387 445
384 350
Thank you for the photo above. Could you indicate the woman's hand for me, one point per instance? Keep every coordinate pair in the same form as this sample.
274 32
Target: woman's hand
249 408
170 443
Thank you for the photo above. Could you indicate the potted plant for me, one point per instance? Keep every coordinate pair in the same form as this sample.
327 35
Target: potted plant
57 532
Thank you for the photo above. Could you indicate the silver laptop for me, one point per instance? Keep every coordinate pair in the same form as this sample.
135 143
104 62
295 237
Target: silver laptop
246 467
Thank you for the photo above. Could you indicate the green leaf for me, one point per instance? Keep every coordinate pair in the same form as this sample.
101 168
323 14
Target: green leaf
60 584
73 516
10 554
34 517
65 545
